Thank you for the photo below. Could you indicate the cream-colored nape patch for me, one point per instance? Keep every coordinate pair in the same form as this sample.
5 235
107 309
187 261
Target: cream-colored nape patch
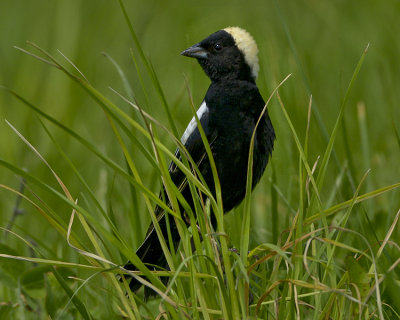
248 46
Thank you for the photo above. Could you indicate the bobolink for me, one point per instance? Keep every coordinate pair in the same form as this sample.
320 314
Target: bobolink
228 115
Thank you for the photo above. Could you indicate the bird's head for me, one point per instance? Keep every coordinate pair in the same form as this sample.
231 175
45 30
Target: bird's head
230 53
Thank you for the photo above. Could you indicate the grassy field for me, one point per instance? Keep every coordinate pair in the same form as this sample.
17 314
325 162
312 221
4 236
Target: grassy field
79 174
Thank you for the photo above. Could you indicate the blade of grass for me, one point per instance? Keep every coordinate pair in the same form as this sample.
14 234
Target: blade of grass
149 68
51 262
302 155
245 232
328 151
130 93
343 224
387 237
53 220
125 81
346 204
396 133
245 235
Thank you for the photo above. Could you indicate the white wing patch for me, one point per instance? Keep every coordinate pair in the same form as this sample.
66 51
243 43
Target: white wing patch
193 124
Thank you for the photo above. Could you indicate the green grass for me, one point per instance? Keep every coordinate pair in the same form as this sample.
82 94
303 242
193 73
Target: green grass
81 165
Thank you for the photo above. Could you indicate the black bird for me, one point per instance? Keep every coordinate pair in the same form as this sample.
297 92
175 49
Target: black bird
228 115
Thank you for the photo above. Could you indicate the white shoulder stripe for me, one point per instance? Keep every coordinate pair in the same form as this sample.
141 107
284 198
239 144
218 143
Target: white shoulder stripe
193 124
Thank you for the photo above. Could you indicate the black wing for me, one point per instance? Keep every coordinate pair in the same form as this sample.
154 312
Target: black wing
195 147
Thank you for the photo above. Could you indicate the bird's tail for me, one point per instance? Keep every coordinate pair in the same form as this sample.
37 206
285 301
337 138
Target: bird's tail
151 253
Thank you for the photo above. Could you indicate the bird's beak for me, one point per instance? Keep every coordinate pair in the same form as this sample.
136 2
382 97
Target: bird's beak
195 51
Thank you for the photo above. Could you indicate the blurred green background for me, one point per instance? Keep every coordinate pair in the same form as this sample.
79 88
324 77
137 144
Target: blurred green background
318 42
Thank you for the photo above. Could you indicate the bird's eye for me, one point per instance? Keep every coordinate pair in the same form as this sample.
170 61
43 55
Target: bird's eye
217 47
